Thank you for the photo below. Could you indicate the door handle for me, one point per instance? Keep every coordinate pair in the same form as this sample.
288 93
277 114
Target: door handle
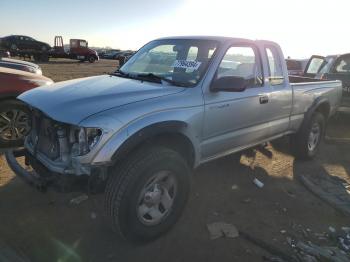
264 99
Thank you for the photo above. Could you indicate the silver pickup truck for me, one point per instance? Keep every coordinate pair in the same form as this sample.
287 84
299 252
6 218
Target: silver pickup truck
176 104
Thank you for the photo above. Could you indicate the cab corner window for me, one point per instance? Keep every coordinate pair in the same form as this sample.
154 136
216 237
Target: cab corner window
241 61
275 66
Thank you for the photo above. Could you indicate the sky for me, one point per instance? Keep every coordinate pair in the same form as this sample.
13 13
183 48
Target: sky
301 27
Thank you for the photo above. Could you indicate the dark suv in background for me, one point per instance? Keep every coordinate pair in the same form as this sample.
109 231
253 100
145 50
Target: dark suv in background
21 42
332 67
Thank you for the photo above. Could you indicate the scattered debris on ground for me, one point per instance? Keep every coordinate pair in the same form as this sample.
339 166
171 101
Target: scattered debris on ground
79 199
221 229
332 190
335 246
258 183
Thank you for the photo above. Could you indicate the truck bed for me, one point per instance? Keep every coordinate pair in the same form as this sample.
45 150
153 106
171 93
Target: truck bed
306 89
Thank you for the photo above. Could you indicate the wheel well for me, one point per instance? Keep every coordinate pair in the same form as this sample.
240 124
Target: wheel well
173 140
177 142
324 109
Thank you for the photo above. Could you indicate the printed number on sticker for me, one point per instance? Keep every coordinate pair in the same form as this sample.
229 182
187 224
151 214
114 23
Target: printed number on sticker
186 64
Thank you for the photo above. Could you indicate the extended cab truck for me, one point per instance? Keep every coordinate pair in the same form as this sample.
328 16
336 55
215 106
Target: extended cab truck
177 103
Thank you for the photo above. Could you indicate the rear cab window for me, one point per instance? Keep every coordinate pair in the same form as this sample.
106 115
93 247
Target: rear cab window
276 76
242 61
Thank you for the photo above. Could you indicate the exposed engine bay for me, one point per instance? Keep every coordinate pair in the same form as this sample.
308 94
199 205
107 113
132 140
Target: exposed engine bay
56 144
52 149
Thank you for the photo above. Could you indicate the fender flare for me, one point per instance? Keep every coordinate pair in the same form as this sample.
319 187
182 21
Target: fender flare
313 108
146 133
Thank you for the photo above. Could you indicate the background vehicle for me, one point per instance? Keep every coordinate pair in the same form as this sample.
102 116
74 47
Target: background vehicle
20 65
78 49
14 119
176 104
111 54
124 57
23 43
296 66
332 67
4 53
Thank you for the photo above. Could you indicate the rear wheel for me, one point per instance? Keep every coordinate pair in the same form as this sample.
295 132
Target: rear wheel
306 142
147 194
14 123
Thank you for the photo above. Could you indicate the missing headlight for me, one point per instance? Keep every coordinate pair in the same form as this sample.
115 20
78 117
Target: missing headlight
88 138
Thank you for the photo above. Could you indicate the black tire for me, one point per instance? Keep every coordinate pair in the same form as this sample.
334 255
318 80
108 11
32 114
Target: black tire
300 141
37 58
6 106
91 59
125 185
44 58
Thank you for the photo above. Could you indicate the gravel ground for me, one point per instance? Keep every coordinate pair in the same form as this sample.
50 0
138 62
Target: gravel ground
46 227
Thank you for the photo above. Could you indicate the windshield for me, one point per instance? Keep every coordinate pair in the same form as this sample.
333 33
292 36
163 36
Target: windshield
326 67
184 61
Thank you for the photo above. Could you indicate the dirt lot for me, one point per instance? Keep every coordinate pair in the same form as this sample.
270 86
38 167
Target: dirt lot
46 227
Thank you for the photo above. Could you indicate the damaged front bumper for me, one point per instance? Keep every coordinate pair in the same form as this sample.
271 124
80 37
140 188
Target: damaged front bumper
41 177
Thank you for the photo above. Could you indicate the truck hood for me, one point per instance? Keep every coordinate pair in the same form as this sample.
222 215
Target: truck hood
74 100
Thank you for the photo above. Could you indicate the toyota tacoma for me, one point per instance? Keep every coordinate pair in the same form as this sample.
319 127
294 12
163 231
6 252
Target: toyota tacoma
177 103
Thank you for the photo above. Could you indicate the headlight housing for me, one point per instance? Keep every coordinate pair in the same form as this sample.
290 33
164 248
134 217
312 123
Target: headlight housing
88 138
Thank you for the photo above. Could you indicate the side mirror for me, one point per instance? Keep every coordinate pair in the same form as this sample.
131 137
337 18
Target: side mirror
229 84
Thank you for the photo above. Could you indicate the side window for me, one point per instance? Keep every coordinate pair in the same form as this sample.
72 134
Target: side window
275 66
343 65
241 61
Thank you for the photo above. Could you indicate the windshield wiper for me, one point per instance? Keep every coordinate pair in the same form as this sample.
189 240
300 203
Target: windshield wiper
120 73
159 79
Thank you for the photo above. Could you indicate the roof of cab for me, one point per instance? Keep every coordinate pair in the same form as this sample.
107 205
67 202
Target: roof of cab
217 38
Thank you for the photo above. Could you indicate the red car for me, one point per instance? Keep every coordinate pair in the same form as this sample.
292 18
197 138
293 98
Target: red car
14 120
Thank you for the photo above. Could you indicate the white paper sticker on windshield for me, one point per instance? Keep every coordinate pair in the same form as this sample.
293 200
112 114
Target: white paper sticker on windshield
187 64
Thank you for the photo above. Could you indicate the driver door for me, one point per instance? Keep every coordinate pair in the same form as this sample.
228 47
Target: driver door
236 119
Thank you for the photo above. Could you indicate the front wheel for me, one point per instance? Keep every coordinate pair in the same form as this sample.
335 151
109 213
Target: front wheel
306 142
147 193
91 59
